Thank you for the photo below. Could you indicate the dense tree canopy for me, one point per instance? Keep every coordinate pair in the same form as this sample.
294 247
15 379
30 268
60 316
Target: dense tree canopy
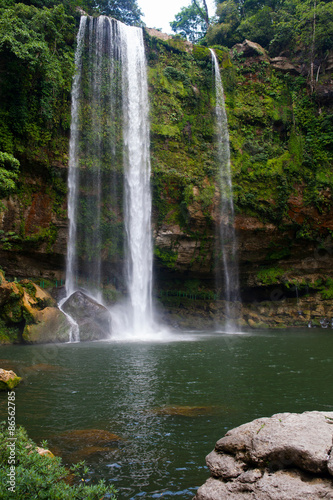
275 24
192 22
126 11
189 23
36 48
37 42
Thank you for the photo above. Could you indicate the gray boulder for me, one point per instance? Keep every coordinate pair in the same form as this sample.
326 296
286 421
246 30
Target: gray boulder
288 456
94 319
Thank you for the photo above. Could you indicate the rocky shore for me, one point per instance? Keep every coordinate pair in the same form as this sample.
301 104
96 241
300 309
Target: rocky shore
287 456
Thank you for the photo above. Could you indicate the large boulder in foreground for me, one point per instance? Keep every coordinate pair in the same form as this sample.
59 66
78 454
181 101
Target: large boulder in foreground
288 456
94 319
8 380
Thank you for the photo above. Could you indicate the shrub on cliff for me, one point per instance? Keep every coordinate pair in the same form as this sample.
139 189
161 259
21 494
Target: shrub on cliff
9 167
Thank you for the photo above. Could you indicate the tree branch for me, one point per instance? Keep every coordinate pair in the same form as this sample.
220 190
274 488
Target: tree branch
204 14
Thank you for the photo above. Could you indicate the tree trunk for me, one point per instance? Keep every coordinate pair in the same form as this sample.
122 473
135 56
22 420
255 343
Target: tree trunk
204 13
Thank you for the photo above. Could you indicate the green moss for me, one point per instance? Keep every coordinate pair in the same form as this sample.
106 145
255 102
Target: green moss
168 257
270 276
165 130
270 118
9 334
12 311
42 234
201 53
110 295
182 124
10 384
326 289
30 288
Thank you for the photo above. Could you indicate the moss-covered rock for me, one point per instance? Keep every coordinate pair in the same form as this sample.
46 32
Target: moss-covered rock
8 380
28 312
50 325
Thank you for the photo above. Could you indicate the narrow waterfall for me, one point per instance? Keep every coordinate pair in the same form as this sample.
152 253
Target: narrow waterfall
227 277
71 266
109 204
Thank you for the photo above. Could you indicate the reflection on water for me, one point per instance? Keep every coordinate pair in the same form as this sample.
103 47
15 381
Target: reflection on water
145 414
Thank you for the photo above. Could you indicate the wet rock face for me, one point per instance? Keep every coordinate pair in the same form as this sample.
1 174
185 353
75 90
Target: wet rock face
94 320
286 456
50 325
41 247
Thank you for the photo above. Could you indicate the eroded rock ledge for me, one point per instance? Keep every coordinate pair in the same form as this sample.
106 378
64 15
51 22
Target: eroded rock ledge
288 456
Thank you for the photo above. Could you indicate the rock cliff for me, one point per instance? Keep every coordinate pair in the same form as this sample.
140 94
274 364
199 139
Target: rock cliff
281 142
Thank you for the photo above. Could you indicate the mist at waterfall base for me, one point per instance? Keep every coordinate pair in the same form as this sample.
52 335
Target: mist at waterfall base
168 403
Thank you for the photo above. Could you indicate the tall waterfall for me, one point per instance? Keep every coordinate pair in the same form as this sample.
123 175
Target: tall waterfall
73 173
109 203
229 282
137 176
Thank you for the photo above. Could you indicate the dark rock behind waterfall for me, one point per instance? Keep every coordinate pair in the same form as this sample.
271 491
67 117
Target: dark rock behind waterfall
94 319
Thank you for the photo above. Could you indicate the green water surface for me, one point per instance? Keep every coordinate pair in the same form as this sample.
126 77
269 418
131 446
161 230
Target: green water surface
168 402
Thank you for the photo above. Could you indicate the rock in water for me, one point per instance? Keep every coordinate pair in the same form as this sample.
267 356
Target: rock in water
8 380
287 456
50 325
94 320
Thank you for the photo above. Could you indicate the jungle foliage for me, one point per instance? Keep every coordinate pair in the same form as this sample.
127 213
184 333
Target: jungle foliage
281 138
277 25
281 131
37 43
36 68
192 21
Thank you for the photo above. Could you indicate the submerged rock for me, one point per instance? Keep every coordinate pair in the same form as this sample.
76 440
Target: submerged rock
185 411
286 456
77 445
8 380
88 437
103 452
94 320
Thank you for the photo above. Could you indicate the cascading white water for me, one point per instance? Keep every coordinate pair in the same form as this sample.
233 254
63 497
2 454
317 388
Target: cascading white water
109 169
227 236
74 334
137 180
71 263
